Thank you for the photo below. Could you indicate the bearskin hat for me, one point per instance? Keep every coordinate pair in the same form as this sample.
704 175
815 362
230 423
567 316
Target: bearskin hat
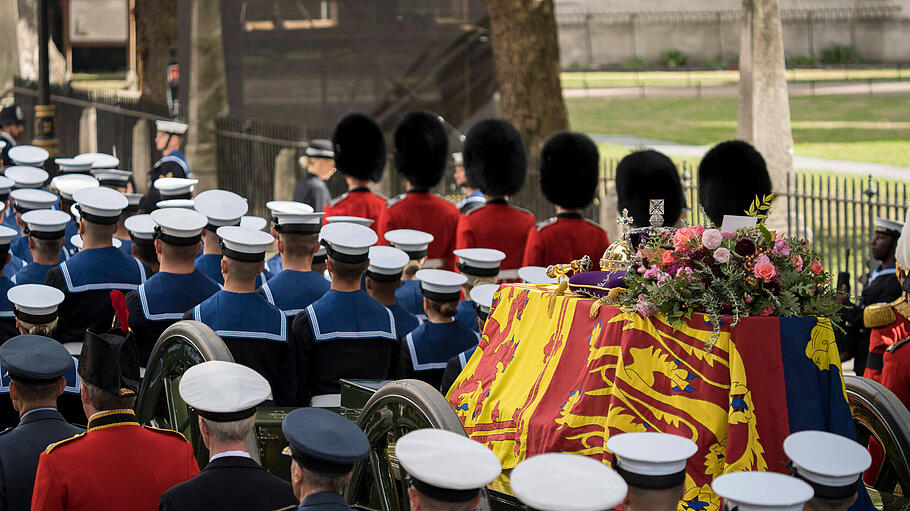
730 176
644 176
569 169
494 157
421 149
359 147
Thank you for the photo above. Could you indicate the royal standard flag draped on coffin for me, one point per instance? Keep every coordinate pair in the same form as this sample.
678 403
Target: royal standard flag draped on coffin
547 377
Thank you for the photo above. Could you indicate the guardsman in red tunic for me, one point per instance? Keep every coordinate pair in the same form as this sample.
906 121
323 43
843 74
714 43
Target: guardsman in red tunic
360 157
896 370
494 157
644 176
116 463
569 172
421 151
888 324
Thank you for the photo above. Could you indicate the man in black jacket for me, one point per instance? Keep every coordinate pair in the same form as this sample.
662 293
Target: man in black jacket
225 395
36 366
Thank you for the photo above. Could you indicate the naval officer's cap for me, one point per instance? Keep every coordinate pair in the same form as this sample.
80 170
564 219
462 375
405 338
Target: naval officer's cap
761 491
320 148
324 442
141 229
35 359
319 256
830 463
171 127
176 203
294 217
347 242
651 460
6 184
567 482
441 285
482 296
244 245
414 243
223 391
287 206
100 205
386 263
46 224
366 222
29 199
28 155
99 160
479 262
177 226
110 362
535 275
7 235
67 184
256 223
73 165
221 207
112 177
175 187
446 466
888 227
133 200
35 303
26 177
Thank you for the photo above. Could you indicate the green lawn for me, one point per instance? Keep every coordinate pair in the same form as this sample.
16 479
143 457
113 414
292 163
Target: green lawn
580 79
859 128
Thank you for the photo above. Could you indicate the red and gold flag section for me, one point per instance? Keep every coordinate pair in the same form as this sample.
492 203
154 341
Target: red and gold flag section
549 377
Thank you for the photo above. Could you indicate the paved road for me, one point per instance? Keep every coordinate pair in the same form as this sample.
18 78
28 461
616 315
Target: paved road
796 89
799 162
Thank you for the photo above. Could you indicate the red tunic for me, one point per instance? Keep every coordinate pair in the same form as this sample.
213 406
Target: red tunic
879 341
116 464
563 239
427 212
357 202
896 373
497 225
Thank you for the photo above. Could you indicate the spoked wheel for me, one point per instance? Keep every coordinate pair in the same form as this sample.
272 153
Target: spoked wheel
394 410
182 345
879 414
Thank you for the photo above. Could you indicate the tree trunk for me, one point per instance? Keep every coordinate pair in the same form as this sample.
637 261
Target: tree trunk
156 32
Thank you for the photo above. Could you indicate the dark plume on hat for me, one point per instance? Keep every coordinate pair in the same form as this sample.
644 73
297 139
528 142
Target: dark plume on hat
644 176
421 149
495 158
569 170
110 361
359 147
730 176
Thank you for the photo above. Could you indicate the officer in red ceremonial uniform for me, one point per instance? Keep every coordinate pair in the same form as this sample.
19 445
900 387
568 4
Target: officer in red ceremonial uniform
116 463
494 157
360 157
421 151
896 370
888 324
569 171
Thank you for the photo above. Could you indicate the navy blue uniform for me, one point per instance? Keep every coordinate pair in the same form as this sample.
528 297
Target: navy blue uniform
162 301
33 273
126 246
405 322
409 297
467 314
322 501
172 165
454 367
14 266
274 264
292 291
20 448
429 347
7 316
343 335
86 280
256 332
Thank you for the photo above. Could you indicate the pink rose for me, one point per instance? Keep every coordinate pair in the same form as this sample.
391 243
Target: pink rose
816 267
781 248
644 307
668 257
711 239
797 262
767 311
722 255
651 272
764 269
684 272
729 235
683 236
641 270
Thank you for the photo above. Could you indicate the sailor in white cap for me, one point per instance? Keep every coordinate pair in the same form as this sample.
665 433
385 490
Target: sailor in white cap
125 235
113 178
482 297
25 200
831 464
474 198
99 160
176 203
654 466
28 155
225 396
318 265
344 334
318 162
296 286
45 231
415 244
73 166
254 330
26 177
256 223
7 322
222 208
383 278
173 163
174 187
178 286
359 220
429 347
480 266
141 243
566 482
87 278
535 275
447 471
761 491
273 264
64 186
9 219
